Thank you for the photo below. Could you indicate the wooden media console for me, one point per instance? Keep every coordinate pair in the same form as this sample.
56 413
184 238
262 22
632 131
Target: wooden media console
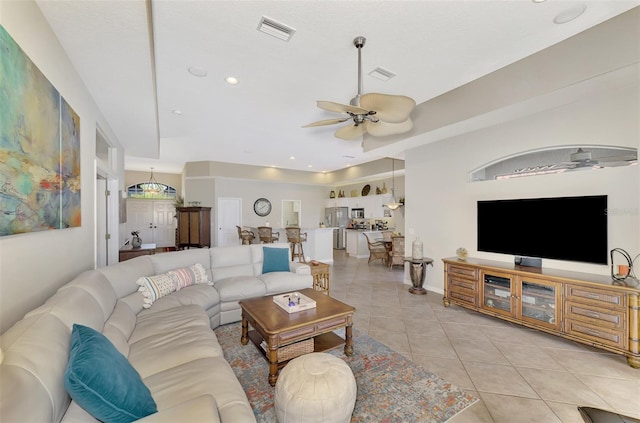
590 309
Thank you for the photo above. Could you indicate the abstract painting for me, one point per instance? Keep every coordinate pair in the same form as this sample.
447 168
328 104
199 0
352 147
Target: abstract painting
39 148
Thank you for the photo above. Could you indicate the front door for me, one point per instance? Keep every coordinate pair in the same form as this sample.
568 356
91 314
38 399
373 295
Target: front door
229 217
154 219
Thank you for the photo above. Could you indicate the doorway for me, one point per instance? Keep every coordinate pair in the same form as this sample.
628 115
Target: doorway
229 217
154 220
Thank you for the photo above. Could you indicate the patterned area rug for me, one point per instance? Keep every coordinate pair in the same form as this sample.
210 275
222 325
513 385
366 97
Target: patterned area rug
391 388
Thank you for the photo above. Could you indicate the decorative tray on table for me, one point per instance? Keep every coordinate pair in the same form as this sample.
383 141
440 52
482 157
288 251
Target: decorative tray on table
293 302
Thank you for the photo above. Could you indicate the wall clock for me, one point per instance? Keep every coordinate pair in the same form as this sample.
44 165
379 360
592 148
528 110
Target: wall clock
262 207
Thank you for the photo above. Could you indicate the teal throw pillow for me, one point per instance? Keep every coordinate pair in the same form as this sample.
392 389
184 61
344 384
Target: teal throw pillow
101 380
275 260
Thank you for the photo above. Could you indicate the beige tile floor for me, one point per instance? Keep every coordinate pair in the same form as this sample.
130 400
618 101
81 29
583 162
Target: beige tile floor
518 374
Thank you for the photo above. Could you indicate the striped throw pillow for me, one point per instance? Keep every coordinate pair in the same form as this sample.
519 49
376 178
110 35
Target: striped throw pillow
155 287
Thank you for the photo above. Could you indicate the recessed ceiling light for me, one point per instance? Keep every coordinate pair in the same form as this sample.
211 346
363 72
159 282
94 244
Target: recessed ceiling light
231 80
538 1
275 29
197 71
176 112
570 14
309 165
292 158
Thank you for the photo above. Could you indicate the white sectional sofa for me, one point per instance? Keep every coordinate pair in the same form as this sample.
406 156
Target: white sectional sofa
171 344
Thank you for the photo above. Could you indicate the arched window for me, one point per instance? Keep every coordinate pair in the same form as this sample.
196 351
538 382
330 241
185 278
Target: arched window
164 192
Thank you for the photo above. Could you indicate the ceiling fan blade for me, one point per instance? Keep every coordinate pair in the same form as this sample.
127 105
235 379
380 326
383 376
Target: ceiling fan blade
389 108
382 129
351 132
341 108
326 122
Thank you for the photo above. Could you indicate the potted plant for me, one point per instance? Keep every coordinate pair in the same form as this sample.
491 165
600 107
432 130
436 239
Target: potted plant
179 202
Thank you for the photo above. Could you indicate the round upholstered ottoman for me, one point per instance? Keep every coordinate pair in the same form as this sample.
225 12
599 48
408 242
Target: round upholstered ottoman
315 387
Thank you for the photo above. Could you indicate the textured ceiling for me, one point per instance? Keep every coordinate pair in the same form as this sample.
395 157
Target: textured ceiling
432 46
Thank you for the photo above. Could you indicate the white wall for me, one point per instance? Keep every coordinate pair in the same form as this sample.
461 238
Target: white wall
34 265
312 198
442 201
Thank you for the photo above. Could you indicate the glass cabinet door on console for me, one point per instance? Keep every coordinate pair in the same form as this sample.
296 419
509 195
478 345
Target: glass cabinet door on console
539 302
497 293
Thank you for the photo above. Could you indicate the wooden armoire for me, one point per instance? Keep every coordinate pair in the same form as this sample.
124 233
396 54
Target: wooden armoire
194 227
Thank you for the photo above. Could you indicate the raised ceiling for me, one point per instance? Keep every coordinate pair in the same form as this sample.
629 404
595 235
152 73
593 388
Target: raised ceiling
134 58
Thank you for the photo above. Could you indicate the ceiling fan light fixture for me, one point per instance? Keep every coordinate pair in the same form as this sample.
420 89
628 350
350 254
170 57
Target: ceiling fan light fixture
372 113
275 29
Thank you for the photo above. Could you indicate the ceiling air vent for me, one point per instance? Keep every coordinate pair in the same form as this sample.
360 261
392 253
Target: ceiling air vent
275 29
382 74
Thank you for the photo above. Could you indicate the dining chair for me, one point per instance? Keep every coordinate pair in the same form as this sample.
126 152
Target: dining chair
396 254
267 236
245 235
377 250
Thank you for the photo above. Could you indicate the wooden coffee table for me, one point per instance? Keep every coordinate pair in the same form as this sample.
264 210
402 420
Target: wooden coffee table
278 328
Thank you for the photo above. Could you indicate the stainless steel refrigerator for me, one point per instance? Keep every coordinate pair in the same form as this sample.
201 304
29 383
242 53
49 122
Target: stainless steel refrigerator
337 218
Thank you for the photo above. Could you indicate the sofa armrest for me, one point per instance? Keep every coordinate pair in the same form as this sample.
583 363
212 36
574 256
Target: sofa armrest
200 409
299 268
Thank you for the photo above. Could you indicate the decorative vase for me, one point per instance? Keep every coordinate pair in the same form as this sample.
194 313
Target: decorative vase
416 249
384 188
332 194
136 242
462 254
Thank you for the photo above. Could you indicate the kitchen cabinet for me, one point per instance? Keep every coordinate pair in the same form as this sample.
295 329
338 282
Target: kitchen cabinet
372 204
337 202
590 309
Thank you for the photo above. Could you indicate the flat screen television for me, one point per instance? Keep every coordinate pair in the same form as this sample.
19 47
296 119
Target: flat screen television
561 228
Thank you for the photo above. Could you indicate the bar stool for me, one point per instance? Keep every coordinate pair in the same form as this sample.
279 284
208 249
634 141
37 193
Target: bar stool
296 239
246 236
267 236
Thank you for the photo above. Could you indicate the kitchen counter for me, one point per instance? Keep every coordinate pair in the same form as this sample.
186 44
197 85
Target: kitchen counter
357 245
319 244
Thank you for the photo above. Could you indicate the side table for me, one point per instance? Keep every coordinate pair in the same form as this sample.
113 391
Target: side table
320 273
418 273
128 252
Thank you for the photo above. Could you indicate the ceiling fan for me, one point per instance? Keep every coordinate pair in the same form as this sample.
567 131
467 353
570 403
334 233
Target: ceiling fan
376 114
584 159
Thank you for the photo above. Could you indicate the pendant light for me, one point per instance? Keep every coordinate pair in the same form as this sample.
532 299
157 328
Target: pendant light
152 187
393 205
